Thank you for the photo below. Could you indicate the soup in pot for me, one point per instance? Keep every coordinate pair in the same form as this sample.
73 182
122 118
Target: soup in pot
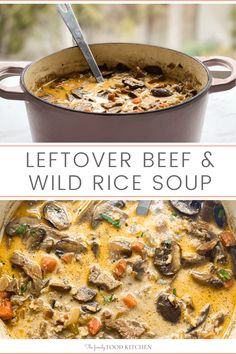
124 90
99 269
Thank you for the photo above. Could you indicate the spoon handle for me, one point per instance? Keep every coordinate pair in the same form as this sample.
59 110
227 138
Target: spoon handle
68 16
143 207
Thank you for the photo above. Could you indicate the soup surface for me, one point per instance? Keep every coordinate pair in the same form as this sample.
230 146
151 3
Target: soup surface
85 269
124 90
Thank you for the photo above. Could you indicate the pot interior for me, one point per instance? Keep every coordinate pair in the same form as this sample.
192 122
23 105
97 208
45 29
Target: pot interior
71 60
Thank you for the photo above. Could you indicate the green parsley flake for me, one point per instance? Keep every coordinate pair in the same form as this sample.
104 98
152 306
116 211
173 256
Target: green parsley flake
115 223
21 230
224 275
108 299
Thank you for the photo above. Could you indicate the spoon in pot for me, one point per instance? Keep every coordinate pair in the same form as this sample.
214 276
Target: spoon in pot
68 16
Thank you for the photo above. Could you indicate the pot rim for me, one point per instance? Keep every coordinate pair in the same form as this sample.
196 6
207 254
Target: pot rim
121 115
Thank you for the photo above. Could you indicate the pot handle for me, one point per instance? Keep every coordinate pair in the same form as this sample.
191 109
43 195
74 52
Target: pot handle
11 93
217 83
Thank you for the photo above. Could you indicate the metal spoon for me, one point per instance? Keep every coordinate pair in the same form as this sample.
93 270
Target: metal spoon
143 207
68 16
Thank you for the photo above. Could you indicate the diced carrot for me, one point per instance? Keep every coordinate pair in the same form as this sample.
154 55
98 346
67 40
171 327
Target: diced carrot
130 301
3 294
67 257
137 100
228 284
111 97
227 238
94 326
137 246
6 311
163 105
48 264
66 316
120 268
88 109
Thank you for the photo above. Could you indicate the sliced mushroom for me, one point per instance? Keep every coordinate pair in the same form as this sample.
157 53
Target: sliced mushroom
167 258
20 226
92 307
154 69
57 216
188 207
201 318
161 92
118 203
47 245
138 269
70 245
206 278
120 249
132 83
29 229
192 259
168 307
200 230
78 93
220 254
206 247
34 238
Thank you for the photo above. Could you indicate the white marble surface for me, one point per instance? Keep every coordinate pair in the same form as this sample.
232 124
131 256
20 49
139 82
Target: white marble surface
219 126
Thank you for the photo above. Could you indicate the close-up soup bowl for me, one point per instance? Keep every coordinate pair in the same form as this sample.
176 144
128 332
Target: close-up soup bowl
163 259
179 123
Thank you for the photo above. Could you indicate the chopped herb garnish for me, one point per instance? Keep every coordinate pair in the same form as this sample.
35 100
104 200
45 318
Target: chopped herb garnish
21 230
2 262
108 299
115 223
23 288
174 292
224 275
174 214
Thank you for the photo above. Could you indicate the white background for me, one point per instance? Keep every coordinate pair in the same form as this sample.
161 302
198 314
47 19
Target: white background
15 183
118 346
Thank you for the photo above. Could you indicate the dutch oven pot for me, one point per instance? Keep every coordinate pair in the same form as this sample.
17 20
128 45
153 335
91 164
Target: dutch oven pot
8 207
181 123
